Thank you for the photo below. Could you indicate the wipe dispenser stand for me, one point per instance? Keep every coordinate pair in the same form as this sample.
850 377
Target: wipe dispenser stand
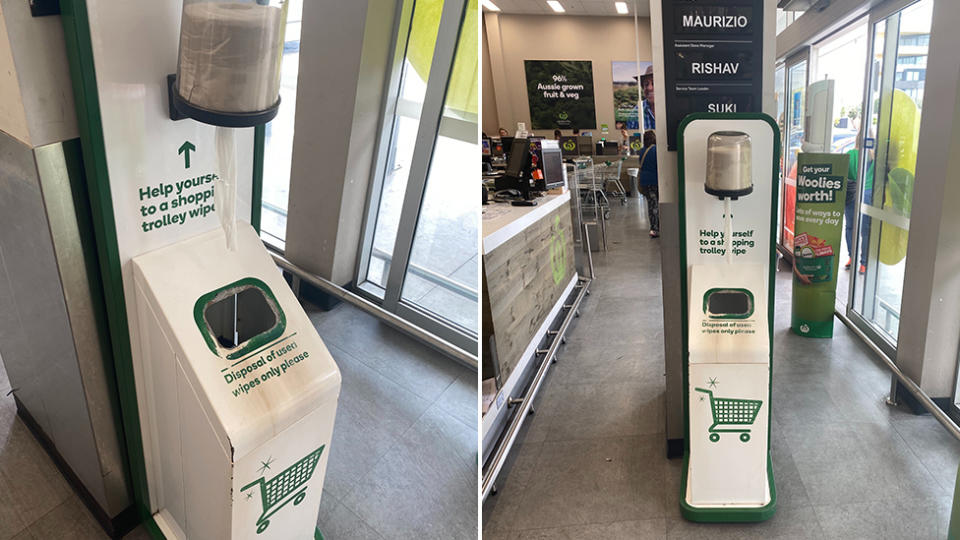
228 71
726 161
729 175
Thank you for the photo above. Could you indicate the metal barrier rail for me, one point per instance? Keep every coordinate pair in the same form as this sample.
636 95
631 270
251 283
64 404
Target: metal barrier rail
400 324
906 381
523 405
440 280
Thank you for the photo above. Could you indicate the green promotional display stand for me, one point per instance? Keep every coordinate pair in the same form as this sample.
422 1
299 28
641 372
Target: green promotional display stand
727 199
821 193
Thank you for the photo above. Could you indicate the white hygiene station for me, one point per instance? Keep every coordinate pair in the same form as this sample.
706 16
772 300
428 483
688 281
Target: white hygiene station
728 197
236 393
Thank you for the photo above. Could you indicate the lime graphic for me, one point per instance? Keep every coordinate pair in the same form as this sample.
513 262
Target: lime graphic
569 146
563 115
635 145
558 253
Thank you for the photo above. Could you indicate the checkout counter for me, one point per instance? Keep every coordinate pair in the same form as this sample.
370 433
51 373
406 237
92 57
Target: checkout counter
531 290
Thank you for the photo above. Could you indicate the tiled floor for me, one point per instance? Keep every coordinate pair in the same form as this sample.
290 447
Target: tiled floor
402 461
591 462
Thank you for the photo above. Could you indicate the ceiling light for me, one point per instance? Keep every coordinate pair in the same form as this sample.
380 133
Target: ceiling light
490 5
554 5
621 7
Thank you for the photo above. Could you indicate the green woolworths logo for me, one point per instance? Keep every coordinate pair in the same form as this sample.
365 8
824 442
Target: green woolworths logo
635 145
276 492
558 252
562 115
569 146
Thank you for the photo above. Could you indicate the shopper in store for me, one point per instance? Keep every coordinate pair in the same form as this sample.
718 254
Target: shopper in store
556 134
649 185
504 132
851 204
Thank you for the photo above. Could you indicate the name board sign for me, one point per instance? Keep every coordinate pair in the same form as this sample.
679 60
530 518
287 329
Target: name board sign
713 54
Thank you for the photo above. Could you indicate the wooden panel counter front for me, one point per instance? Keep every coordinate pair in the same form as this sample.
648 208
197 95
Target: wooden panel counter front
528 263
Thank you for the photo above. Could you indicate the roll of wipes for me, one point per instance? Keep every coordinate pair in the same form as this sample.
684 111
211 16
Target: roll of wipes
729 164
230 56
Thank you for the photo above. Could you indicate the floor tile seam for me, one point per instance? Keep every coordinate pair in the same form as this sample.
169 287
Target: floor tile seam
936 477
548 439
42 457
522 489
389 379
609 438
376 531
48 512
592 523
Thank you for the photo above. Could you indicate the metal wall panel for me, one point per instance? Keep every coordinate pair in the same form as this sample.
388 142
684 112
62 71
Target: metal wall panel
50 332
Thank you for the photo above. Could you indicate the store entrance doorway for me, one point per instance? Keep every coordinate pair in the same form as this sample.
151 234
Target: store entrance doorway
899 45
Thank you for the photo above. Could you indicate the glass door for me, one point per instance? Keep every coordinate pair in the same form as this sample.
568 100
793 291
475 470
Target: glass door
419 248
892 105
779 92
796 90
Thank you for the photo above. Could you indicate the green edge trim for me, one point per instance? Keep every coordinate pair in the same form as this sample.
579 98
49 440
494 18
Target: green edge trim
684 330
727 515
256 195
317 535
256 341
709 292
79 48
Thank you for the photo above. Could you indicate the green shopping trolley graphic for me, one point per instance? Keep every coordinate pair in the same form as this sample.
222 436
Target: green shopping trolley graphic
275 493
731 412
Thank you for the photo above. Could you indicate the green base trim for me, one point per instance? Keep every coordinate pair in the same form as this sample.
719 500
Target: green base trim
726 515
317 535
814 329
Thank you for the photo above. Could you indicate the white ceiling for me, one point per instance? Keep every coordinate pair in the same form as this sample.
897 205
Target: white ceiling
572 7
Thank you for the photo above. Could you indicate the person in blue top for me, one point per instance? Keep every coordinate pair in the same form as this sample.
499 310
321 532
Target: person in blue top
649 185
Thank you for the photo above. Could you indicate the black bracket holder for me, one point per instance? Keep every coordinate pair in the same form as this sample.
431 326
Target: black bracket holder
181 109
42 8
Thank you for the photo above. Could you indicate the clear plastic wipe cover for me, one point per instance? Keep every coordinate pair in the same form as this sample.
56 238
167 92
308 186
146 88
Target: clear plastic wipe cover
225 187
230 54
729 162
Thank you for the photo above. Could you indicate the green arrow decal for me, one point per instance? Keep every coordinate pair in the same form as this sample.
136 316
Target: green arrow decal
185 149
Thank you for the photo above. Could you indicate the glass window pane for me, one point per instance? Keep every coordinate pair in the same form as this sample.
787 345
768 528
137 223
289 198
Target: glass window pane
899 58
278 144
843 59
442 275
779 76
424 25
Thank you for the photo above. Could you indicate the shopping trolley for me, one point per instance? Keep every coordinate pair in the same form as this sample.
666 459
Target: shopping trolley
274 492
731 412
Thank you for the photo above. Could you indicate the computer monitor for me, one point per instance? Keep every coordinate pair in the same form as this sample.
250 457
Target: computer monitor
486 150
551 164
611 148
519 157
586 145
569 147
517 175
496 147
